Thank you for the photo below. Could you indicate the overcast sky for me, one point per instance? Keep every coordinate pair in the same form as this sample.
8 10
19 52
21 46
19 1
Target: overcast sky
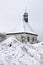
12 10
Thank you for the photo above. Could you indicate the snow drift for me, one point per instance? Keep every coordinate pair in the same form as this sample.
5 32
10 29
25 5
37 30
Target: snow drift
13 52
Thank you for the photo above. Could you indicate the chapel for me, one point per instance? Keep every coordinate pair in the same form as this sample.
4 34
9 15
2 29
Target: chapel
24 32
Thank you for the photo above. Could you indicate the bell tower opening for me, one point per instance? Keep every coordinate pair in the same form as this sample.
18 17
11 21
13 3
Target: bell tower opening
25 16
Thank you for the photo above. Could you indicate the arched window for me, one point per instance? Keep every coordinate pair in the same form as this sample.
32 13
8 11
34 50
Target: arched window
33 39
22 39
28 39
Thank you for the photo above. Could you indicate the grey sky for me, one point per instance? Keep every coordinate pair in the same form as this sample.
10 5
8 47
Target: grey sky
12 10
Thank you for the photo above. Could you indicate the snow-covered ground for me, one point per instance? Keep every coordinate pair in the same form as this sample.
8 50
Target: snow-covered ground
13 52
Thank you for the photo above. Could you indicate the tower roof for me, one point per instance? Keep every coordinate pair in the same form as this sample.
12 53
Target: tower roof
23 26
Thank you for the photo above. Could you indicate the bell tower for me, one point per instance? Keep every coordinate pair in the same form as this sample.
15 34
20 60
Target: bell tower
25 17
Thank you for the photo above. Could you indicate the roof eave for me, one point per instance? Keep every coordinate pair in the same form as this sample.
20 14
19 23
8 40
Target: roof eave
21 33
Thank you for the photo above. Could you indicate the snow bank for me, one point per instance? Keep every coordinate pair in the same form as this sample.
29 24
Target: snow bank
13 52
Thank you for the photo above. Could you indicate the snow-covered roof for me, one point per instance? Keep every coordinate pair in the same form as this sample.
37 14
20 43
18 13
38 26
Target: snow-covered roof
22 27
